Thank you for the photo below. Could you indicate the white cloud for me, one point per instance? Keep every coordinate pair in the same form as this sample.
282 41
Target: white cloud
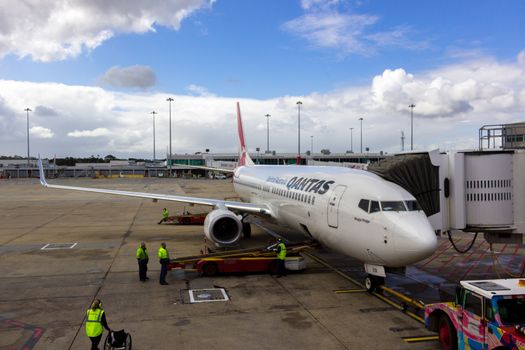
90 133
49 30
199 90
324 25
452 102
41 132
129 77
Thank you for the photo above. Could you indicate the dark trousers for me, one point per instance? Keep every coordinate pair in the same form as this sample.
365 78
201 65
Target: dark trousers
143 269
95 341
163 272
282 268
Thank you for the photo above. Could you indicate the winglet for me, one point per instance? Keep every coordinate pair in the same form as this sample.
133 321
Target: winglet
43 181
244 157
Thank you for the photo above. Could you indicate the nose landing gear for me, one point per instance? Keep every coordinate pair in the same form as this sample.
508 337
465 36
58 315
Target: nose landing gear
372 283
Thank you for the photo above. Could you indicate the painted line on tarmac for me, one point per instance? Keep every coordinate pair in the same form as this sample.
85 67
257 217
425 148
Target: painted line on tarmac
420 339
321 261
357 290
123 240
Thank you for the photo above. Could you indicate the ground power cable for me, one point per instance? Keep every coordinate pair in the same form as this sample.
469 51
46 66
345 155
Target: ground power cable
496 262
123 240
459 250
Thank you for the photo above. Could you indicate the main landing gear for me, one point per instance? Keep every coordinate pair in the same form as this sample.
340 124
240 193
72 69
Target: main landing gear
372 283
246 229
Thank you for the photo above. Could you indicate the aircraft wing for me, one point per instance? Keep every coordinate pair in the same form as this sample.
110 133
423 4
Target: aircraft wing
249 208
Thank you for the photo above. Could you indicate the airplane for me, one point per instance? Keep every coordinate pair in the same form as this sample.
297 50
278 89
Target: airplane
354 212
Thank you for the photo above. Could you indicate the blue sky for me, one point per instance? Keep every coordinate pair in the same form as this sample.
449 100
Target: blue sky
460 62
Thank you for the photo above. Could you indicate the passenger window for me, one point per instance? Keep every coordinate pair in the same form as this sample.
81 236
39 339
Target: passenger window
374 206
472 304
313 200
363 204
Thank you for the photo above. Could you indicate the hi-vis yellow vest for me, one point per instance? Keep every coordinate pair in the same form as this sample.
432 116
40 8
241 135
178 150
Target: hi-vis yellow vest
94 323
282 252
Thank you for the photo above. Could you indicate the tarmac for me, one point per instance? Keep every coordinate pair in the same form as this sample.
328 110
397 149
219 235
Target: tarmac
44 293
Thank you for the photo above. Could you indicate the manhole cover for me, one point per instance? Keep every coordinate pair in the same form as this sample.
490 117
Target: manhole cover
208 295
51 246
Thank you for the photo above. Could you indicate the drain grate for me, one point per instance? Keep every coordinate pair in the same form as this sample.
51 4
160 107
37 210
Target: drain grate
208 295
51 246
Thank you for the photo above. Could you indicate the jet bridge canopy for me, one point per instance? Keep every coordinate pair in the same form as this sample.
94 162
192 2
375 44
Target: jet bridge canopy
416 174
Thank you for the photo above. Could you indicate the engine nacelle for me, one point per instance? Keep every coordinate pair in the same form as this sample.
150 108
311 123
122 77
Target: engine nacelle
222 226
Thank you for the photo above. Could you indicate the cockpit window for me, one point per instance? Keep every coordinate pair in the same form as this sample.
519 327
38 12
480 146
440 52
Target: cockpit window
374 206
363 204
413 205
393 206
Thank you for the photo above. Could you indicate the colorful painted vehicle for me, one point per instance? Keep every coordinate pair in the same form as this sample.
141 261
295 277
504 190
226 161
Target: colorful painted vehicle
487 314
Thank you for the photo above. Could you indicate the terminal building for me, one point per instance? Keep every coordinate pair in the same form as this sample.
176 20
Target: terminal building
180 164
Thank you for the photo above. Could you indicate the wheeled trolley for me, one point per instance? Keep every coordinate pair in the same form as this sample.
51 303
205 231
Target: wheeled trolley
118 340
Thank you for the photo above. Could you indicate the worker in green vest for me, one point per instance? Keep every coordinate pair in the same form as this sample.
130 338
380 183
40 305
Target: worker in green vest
281 257
143 259
164 259
165 215
95 323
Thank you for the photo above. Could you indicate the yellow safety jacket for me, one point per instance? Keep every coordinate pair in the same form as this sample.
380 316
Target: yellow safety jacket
281 255
163 253
142 254
165 213
94 322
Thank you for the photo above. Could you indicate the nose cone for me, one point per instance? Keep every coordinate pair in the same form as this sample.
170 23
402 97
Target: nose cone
414 239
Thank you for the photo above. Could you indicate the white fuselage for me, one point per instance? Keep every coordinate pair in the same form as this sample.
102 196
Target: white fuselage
327 204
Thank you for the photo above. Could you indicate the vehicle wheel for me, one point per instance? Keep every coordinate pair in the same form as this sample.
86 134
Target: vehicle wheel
447 334
106 343
210 269
129 343
273 268
246 229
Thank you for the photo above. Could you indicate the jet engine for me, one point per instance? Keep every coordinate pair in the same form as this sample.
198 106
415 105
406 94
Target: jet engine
222 226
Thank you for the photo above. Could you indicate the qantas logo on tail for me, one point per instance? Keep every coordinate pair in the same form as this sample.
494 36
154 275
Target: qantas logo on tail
244 157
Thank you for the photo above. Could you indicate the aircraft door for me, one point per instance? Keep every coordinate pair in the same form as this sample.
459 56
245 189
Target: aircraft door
333 206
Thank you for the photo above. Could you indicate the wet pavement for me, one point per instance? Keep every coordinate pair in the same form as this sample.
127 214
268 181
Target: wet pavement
44 292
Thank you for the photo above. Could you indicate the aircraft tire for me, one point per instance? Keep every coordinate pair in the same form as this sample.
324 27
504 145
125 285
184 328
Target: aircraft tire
372 283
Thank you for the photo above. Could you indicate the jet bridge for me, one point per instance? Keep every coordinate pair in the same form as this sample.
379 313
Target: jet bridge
473 191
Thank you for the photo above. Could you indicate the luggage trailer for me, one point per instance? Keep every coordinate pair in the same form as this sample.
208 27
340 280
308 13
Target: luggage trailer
255 260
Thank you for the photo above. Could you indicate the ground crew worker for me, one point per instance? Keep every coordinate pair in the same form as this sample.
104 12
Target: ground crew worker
143 259
95 322
164 259
165 215
281 256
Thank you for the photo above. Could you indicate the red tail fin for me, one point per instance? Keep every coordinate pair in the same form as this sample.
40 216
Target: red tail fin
244 157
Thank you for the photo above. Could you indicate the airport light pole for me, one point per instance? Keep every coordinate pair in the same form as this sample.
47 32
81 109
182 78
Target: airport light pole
267 133
153 114
351 140
299 103
27 110
170 100
312 144
411 106
361 120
